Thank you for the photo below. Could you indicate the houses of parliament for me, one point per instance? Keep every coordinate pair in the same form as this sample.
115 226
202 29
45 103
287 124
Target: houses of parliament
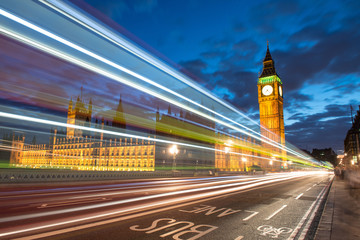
77 149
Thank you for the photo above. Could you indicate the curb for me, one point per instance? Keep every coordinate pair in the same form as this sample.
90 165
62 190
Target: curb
323 226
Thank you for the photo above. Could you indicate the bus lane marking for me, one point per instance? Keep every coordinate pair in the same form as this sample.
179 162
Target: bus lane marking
188 228
209 210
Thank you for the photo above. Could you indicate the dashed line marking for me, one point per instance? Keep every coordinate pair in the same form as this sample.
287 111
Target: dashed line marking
276 212
308 189
239 238
252 215
299 196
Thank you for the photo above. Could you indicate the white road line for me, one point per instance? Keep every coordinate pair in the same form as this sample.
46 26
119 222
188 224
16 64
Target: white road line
299 196
314 185
276 212
190 199
239 238
214 190
252 215
307 226
302 221
308 189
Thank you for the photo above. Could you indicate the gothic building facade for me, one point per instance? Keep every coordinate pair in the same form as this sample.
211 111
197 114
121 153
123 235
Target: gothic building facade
81 150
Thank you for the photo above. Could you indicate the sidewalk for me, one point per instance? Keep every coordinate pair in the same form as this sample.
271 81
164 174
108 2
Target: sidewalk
341 216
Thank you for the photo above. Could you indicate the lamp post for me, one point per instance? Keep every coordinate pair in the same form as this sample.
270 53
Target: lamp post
227 149
244 161
272 162
173 150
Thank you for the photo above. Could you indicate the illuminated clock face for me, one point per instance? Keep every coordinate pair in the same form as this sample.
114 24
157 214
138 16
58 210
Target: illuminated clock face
280 91
267 90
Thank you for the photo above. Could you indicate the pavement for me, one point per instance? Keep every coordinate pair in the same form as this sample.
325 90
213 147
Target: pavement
341 215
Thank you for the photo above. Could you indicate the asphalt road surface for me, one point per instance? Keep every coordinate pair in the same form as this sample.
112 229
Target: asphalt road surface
272 206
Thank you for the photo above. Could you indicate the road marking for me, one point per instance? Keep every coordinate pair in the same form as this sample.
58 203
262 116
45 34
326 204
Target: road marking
103 222
314 185
308 189
302 221
70 229
239 238
276 212
273 232
211 210
252 215
177 232
299 196
312 216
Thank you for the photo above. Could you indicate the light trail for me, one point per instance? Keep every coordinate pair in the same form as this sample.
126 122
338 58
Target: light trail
127 82
102 30
217 193
174 193
59 124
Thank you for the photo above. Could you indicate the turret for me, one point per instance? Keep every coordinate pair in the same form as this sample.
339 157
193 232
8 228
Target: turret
169 110
90 107
119 119
70 106
157 114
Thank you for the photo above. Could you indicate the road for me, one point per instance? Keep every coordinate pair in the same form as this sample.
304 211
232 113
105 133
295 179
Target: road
272 206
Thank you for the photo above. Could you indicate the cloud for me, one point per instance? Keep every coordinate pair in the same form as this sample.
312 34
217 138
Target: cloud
309 130
213 54
195 69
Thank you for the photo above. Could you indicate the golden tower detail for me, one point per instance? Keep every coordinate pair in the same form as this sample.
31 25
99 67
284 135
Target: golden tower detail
270 95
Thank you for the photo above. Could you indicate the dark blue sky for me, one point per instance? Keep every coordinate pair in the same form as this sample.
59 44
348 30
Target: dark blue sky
315 45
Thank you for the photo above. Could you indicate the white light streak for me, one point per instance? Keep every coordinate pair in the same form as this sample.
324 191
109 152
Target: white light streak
59 124
137 208
138 76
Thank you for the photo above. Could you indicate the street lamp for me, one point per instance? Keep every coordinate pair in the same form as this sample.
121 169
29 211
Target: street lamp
244 161
227 149
272 160
173 150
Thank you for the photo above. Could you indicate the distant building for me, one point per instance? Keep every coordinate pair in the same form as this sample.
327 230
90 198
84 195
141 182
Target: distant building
186 128
223 152
85 151
352 142
325 155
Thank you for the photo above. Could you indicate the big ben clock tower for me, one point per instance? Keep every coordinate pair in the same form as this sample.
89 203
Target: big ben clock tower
270 94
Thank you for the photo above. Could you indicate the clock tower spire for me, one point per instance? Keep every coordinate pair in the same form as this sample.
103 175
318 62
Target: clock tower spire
270 95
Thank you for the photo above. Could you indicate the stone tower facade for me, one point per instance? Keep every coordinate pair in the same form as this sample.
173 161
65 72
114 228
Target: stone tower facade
270 96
